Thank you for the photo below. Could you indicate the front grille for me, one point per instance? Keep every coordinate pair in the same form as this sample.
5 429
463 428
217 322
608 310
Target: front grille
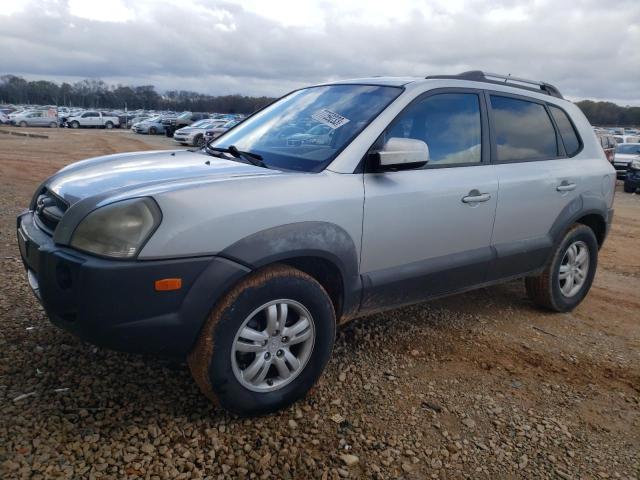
49 210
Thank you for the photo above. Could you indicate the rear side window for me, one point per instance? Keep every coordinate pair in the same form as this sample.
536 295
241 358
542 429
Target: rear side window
567 132
523 130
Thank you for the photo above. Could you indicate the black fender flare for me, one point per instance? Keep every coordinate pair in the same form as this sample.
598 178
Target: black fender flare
303 239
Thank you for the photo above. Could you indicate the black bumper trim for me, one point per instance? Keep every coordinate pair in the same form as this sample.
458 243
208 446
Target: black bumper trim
114 304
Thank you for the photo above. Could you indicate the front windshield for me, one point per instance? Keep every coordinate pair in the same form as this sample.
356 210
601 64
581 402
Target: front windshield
628 148
307 129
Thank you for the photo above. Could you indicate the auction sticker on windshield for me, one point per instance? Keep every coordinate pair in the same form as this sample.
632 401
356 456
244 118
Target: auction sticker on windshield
329 118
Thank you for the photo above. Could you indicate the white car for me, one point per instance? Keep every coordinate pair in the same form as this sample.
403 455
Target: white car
93 118
625 154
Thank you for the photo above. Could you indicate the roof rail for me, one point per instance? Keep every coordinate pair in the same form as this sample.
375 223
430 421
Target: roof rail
496 78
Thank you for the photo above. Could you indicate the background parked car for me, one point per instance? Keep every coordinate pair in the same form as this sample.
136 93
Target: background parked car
215 132
627 138
609 145
625 154
183 120
632 179
93 118
194 133
151 126
35 118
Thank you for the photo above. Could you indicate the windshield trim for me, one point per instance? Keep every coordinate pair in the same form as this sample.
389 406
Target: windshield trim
327 163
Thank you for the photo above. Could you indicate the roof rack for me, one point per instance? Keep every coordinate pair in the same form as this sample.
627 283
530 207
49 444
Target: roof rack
496 78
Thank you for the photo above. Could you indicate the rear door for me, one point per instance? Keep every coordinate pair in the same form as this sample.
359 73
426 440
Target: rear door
427 231
538 174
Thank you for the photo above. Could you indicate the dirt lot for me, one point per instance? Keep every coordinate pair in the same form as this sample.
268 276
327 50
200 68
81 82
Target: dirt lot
480 385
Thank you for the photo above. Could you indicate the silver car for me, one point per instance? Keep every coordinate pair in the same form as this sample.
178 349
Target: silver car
246 255
36 118
194 133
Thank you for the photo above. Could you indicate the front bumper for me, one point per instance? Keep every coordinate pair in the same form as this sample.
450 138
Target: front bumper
632 180
113 303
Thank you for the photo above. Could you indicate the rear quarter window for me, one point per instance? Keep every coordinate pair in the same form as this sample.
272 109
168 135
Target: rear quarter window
567 131
523 130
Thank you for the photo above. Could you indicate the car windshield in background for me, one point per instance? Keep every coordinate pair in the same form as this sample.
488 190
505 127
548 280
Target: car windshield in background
305 130
628 148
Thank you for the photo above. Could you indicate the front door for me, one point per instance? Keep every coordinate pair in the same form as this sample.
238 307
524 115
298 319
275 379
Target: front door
427 231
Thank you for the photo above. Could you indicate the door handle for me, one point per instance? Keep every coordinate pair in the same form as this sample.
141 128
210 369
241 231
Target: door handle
566 187
476 197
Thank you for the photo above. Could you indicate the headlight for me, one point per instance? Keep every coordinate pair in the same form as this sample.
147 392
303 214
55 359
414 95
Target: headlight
117 230
635 164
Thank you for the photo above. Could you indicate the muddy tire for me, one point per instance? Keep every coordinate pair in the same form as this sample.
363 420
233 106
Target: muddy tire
265 343
568 277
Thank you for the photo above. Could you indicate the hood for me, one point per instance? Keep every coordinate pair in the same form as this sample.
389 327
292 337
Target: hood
187 130
128 171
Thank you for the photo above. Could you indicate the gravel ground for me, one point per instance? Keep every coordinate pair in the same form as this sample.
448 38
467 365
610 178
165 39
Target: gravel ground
480 385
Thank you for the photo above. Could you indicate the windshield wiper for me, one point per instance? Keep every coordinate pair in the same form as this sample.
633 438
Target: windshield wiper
252 158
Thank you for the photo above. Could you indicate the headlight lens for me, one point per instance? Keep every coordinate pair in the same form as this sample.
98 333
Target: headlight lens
117 230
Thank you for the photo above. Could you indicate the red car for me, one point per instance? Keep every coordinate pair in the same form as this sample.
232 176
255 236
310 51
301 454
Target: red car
609 145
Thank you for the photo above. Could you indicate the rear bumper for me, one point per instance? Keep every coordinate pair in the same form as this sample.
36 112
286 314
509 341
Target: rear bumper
114 303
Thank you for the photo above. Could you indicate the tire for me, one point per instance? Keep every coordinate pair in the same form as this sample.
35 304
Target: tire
219 368
108 125
152 130
549 290
22 124
53 125
628 188
198 141
75 124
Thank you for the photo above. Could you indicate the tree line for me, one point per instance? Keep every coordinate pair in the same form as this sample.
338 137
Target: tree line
94 93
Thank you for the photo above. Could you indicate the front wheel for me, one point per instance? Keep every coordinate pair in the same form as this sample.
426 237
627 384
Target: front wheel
266 342
567 279
22 124
198 141
108 125
75 124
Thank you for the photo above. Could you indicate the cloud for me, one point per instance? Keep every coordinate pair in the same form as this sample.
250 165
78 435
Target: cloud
587 48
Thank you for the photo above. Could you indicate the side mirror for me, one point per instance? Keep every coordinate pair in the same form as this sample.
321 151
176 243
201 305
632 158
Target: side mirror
401 154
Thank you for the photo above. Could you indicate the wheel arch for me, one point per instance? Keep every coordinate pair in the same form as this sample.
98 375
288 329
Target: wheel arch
323 250
589 210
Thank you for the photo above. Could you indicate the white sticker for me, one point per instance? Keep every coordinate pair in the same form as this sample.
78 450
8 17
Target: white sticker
329 118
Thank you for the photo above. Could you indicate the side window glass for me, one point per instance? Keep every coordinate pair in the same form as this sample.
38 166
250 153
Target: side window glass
567 132
450 125
523 130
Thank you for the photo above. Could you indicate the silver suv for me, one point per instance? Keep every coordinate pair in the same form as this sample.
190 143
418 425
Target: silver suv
244 256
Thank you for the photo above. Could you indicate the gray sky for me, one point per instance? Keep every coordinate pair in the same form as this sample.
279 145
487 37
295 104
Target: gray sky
588 48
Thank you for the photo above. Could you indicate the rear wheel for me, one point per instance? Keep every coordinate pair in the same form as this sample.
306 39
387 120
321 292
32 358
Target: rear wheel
629 188
198 141
152 130
53 125
108 125
568 277
22 124
266 342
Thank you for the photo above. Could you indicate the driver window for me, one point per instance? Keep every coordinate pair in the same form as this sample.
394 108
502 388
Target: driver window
449 123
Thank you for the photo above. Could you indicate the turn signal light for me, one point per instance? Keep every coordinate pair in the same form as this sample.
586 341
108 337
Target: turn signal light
168 284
